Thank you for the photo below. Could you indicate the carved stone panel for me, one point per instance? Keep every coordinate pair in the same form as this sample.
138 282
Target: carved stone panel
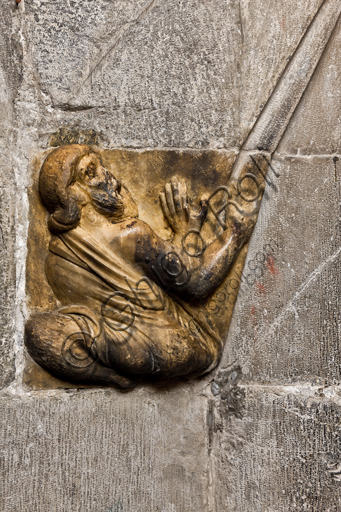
164 301
170 242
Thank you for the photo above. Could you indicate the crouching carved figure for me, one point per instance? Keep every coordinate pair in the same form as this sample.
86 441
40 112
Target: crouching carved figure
126 295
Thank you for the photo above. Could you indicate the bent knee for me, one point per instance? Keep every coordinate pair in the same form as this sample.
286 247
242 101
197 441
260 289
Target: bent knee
47 331
56 342
48 337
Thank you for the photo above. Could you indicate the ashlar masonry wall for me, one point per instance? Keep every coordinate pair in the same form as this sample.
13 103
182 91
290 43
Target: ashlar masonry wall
262 432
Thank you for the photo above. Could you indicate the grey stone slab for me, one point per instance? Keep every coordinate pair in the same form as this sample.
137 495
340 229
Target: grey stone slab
7 276
286 321
148 74
270 32
10 76
316 126
104 451
143 74
280 455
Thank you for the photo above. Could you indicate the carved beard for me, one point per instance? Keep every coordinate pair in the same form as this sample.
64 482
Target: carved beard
106 198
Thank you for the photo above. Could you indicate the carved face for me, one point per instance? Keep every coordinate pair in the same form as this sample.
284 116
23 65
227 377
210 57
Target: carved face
107 194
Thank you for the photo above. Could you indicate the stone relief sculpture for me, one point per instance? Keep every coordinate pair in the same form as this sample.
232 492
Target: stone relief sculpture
130 300
126 293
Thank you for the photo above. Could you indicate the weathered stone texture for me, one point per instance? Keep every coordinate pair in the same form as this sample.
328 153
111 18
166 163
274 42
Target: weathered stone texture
316 127
183 74
168 74
281 455
10 59
270 34
285 326
99 451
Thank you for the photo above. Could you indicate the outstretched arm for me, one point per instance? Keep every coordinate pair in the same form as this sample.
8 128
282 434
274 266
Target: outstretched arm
178 270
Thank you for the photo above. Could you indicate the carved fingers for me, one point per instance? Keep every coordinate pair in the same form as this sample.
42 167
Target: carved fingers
177 209
174 204
179 190
200 215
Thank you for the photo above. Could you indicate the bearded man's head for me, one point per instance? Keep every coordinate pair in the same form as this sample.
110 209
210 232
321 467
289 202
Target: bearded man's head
73 175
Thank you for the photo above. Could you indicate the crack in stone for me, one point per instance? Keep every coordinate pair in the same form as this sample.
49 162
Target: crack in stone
300 156
120 33
290 306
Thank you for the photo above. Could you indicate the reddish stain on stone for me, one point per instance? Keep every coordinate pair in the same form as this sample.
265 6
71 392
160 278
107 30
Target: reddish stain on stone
260 288
270 263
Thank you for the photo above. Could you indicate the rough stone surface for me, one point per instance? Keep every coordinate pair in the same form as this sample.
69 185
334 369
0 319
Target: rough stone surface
316 128
175 74
286 321
283 455
120 68
98 451
10 77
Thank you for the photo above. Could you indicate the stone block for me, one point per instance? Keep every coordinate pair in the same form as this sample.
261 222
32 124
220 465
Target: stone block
286 318
160 74
104 451
316 126
10 77
282 455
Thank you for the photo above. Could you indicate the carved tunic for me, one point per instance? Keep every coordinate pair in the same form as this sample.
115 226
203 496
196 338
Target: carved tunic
134 326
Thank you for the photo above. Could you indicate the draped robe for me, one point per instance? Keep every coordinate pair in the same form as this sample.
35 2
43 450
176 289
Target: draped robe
134 325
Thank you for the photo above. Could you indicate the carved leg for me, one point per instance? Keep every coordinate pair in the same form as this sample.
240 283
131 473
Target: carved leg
56 342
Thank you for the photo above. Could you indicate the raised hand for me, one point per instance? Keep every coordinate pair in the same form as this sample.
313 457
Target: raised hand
177 210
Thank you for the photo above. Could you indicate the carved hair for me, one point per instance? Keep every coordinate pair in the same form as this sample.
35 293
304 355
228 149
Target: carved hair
57 175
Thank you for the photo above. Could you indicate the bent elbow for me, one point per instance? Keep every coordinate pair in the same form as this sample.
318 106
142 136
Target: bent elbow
197 291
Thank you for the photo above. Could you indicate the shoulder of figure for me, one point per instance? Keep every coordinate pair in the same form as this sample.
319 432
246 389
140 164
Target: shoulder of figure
132 231
133 238
134 227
